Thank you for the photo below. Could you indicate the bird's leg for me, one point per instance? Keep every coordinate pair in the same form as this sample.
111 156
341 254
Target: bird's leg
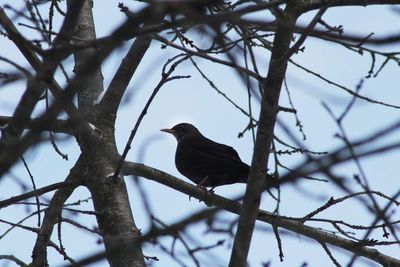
202 181
211 190
207 191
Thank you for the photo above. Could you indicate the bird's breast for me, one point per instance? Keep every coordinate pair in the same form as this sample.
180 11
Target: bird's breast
189 163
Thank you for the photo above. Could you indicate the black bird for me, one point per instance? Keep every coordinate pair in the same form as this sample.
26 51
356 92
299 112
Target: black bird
205 162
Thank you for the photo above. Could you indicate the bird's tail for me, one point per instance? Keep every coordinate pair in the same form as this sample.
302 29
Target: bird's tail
271 181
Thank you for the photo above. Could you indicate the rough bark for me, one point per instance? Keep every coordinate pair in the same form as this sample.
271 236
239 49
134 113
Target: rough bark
52 215
110 197
269 109
93 83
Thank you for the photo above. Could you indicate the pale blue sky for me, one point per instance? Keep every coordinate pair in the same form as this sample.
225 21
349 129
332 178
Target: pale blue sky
192 100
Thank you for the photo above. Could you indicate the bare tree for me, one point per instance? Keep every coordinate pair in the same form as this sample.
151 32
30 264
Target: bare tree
229 34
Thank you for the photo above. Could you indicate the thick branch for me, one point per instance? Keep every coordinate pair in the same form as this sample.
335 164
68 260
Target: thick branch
110 197
152 234
12 146
264 216
265 130
57 126
53 212
9 155
129 30
91 84
14 259
122 77
317 4
36 84
28 51
116 223
37 192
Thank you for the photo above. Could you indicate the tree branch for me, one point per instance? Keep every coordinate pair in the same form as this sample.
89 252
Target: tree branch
36 84
131 168
210 58
115 91
317 4
14 259
306 32
53 212
38 192
27 50
57 126
269 109
91 84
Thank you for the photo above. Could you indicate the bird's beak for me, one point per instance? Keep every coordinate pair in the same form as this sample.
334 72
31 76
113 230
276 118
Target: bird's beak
170 131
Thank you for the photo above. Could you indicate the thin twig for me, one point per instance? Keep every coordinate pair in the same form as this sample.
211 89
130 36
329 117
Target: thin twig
165 78
34 188
325 247
279 241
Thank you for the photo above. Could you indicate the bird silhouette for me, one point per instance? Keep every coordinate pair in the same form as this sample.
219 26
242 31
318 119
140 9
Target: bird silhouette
205 162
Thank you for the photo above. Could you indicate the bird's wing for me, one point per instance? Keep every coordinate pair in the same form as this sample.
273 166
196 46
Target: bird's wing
228 150
198 158
208 146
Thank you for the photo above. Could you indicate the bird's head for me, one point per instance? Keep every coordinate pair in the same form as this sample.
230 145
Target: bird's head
182 130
